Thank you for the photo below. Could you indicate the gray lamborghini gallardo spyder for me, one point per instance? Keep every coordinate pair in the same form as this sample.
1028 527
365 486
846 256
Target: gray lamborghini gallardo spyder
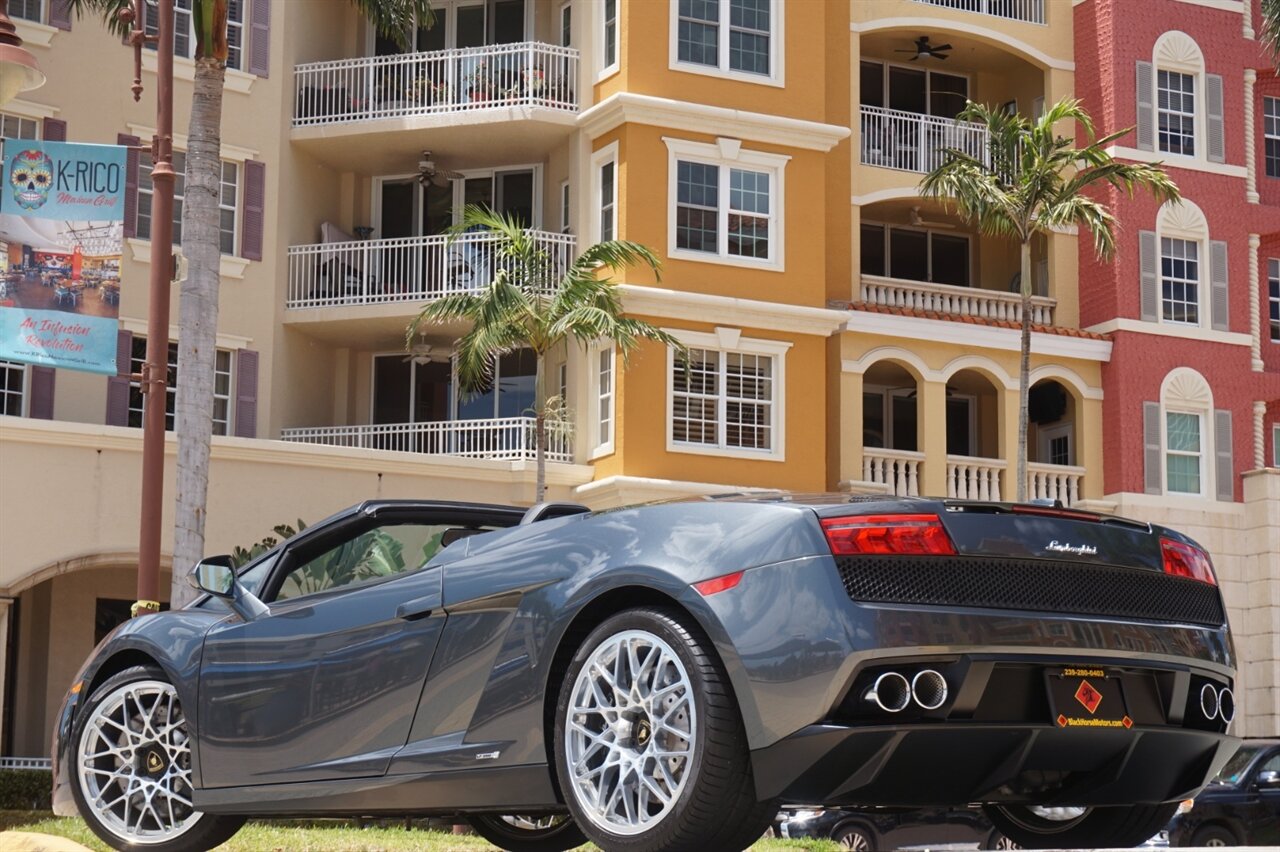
665 677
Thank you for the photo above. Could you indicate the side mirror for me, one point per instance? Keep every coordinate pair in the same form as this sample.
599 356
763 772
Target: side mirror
214 575
1269 780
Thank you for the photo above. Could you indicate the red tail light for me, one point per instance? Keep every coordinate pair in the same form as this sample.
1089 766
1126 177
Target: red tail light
1183 560
887 534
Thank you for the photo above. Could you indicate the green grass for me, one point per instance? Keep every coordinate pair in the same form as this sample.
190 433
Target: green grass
276 837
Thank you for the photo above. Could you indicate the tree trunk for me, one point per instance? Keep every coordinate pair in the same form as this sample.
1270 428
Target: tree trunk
197 323
1024 371
540 428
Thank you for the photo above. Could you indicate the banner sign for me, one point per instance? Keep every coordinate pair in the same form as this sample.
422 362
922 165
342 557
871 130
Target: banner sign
61 232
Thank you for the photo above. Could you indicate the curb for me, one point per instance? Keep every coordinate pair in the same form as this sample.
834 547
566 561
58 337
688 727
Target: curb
29 841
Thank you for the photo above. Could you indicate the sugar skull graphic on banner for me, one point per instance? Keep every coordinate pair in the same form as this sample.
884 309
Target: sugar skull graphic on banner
61 231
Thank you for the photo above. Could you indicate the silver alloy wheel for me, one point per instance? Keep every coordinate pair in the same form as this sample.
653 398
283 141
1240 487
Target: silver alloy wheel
534 823
134 764
856 841
1066 814
631 732
1005 843
1215 842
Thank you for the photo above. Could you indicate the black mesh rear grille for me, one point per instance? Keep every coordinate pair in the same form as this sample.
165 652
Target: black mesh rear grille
1039 585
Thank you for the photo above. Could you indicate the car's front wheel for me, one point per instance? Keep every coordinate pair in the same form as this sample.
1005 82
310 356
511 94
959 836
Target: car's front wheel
1055 828
554 833
649 746
132 773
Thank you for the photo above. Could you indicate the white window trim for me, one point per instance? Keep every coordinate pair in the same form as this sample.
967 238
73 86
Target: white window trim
887 395
1185 391
1185 221
928 79
1275 445
566 8
460 193
566 208
608 70
727 154
39 124
1273 274
1046 434
1201 266
777 64
599 159
931 232
1268 136
1178 52
1165 451
729 340
171 391
42 16
604 448
238 210
1198 97
24 403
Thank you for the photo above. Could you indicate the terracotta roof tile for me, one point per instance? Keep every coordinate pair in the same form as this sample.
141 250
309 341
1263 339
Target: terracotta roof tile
1062 331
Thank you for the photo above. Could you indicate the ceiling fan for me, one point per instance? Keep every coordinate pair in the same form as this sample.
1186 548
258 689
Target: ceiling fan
919 222
429 171
923 48
423 352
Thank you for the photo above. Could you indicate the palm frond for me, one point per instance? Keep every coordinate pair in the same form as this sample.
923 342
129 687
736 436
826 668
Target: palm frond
108 10
1271 29
394 19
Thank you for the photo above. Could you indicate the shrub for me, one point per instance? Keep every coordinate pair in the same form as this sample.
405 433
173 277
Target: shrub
26 789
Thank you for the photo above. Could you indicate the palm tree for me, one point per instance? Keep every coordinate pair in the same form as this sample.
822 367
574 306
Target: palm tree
1034 181
1271 29
201 245
532 304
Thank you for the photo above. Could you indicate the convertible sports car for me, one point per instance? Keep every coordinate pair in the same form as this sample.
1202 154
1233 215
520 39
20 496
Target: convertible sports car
663 677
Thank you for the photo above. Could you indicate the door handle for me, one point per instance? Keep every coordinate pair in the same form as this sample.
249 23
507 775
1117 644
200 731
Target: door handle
418 607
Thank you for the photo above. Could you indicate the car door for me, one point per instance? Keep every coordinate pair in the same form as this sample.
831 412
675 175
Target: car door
1264 818
325 686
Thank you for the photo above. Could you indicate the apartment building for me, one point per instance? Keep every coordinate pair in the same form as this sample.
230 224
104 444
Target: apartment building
843 332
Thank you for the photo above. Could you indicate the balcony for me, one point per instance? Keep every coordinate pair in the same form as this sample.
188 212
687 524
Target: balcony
460 81
407 269
1029 11
914 142
954 301
968 478
498 439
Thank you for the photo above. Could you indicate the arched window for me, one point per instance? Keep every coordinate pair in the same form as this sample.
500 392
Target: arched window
1184 273
1188 443
1179 104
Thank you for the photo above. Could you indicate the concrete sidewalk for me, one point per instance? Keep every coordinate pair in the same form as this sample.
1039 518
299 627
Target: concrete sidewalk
27 841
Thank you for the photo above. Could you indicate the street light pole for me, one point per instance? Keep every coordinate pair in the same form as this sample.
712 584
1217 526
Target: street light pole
155 370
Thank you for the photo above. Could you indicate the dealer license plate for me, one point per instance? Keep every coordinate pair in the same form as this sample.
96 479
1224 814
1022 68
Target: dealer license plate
1085 697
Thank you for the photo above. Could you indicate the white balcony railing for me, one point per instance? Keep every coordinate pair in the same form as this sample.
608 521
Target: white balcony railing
444 81
1031 11
912 142
365 272
26 763
1054 482
500 439
898 469
970 478
949 299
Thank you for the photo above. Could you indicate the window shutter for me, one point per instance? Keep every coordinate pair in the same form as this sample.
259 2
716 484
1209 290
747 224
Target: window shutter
54 130
60 14
260 37
1149 262
40 405
246 394
1216 144
255 187
1224 467
118 385
1219 310
1146 110
130 184
1153 481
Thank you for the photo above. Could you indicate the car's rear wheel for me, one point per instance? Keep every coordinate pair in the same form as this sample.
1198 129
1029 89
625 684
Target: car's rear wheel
1055 828
1214 836
131 776
554 833
649 746
852 837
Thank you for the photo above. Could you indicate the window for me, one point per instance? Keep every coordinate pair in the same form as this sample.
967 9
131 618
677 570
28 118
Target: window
227 200
13 387
383 551
1180 280
28 10
564 207
915 254
609 40
725 209
889 418
18 127
221 387
914 90
1176 112
184 34
733 36
1183 454
1275 446
605 163
605 362
566 25
1273 297
1271 134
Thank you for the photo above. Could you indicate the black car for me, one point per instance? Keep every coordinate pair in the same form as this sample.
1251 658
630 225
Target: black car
1240 807
894 828
666 677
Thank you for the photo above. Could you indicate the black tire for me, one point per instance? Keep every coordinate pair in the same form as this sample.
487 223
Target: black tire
996 840
716 806
199 832
1110 826
1214 835
563 834
853 837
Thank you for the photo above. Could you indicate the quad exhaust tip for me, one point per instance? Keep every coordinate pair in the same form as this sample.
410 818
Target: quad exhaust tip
1209 700
891 692
929 689
1226 704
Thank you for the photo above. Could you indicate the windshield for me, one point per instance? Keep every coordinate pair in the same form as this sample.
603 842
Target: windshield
1237 765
